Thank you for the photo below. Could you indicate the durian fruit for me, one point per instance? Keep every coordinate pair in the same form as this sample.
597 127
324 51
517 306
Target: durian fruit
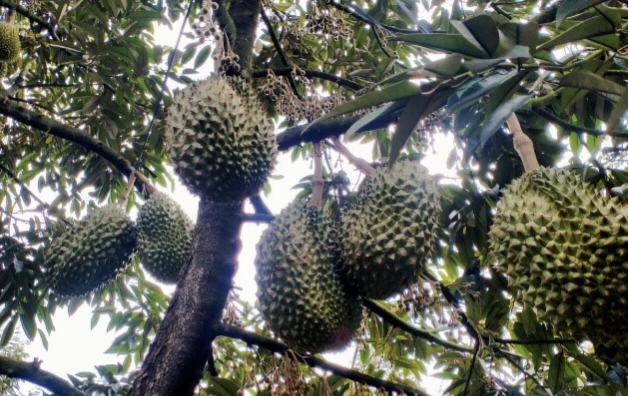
389 233
92 252
164 239
300 295
565 250
221 143
9 42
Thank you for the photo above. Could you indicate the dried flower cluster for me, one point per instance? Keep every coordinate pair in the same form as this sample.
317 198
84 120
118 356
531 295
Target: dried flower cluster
327 21
313 105
204 26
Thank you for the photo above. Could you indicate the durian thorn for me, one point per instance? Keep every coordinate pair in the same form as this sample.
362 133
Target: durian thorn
148 187
127 190
359 163
523 144
317 178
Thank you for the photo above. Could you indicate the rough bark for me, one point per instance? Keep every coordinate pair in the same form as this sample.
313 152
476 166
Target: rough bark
176 358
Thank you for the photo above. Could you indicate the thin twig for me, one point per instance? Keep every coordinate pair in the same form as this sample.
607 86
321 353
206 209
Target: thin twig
315 361
280 52
574 128
394 320
476 349
286 71
359 163
257 218
317 178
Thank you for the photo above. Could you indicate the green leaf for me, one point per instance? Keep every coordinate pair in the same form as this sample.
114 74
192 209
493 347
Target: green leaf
525 34
445 42
29 325
567 8
410 116
591 365
592 82
619 110
481 30
476 88
446 67
373 116
8 331
401 90
416 108
202 56
556 373
591 27
499 117
222 387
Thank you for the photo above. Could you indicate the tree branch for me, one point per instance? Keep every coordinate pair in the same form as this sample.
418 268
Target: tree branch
415 331
335 127
314 361
74 135
285 71
32 373
574 128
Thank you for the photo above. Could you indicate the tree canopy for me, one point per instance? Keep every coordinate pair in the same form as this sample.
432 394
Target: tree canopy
83 111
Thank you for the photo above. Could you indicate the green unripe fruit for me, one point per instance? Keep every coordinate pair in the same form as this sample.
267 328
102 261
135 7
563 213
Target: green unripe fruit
9 42
221 143
300 295
389 233
164 237
564 248
92 253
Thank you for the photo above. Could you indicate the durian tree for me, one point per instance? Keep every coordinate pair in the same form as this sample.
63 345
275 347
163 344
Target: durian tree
508 279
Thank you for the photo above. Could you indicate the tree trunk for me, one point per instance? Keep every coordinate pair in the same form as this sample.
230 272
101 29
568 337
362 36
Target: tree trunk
176 359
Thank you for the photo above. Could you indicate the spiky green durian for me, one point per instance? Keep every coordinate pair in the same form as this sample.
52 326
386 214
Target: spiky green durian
9 42
300 295
164 237
221 143
565 250
92 252
389 233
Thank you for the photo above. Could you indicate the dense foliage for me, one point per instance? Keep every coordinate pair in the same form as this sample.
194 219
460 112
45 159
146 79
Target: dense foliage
78 109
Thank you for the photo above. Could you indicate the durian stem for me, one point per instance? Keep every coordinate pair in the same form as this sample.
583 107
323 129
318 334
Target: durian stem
317 178
127 190
11 17
148 187
523 144
359 163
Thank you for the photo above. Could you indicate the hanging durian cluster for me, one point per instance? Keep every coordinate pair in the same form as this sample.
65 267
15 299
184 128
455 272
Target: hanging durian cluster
299 293
92 252
565 249
221 142
313 269
389 234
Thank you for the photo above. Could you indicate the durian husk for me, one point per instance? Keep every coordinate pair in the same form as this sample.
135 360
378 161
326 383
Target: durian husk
9 42
300 295
164 237
390 232
91 253
565 251
222 144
